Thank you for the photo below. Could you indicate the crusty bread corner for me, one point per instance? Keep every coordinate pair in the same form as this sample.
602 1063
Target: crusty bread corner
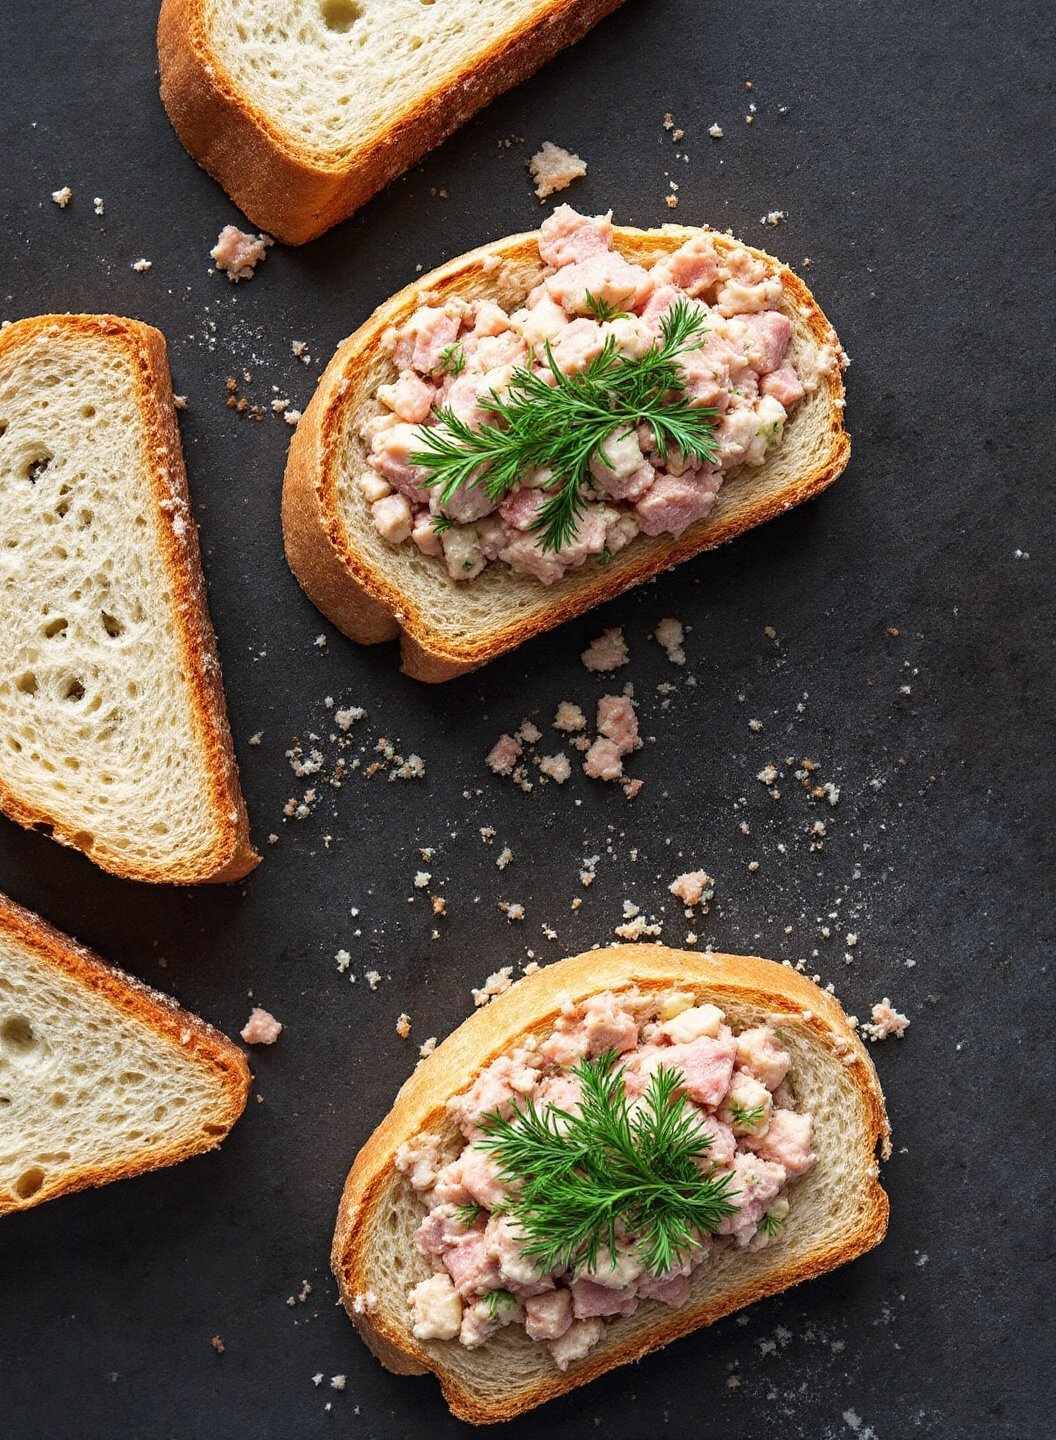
230 854
374 591
294 190
838 1210
96 1000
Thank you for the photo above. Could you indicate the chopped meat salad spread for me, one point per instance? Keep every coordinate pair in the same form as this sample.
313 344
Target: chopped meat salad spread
462 409
655 1101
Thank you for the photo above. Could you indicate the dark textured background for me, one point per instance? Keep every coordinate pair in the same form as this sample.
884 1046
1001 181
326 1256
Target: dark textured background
908 145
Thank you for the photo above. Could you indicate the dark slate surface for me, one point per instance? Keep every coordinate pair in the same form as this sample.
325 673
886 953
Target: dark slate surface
906 144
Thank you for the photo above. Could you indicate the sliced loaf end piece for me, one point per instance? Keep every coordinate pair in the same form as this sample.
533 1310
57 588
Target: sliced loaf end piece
113 726
303 116
101 1077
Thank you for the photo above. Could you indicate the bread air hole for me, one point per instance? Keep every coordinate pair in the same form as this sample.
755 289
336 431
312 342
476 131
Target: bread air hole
27 683
73 690
111 624
340 15
55 627
34 468
29 1182
16 1036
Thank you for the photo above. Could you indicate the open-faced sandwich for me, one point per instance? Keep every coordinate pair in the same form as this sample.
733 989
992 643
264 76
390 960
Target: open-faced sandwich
542 423
625 1146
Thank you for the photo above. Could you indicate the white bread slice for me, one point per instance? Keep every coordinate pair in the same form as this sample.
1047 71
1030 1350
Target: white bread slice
838 1210
113 727
304 112
374 591
100 1077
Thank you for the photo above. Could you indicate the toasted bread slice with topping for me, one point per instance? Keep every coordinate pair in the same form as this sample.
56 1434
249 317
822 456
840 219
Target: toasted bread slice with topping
839 1209
113 727
374 591
101 1077
303 114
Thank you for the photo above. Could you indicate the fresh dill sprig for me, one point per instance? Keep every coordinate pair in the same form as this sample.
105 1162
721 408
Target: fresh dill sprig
577 1178
467 1215
748 1117
441 523
452 360
769 1225
602 309
497 1300
559 422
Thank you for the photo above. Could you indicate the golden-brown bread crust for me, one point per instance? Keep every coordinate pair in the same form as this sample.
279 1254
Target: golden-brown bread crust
278 183
531 1007
171 1024
365 603
233 855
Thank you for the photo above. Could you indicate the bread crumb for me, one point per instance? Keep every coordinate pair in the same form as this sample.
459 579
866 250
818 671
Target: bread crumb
496 984
755 725
671 201
364 1303
670 636
715 131
513 911
62 197
556 767
179 402
261 1028
504 754
504 858
426 1048
773 217
768 774
142 265
421 879
529 732
886 1021
237 253
439 905
403 1026
569 717
637 927
607 652
338 1382
553 168
217 1344
693 888
99 205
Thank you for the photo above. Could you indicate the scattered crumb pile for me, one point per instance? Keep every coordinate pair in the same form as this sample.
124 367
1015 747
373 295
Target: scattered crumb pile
886 1021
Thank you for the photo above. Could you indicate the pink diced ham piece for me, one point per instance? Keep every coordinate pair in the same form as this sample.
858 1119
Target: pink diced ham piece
480 1177
577 1341
659 303
464 397
489 318
608 278
608 1027
626 487
520 507
390 457
434 330
566 237
470 1266
618 722
393 518
577 345
694 266
424 535
706 1066
411 397
439 1230
673 503
786 1142
547 1317
670 1290
783 384
525 555
589 1299
759 1053
723 1145
237 253
768 336
755 1184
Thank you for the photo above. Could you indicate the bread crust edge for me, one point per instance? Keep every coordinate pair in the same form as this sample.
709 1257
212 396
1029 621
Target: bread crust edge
355 595
169 1021
532 1004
